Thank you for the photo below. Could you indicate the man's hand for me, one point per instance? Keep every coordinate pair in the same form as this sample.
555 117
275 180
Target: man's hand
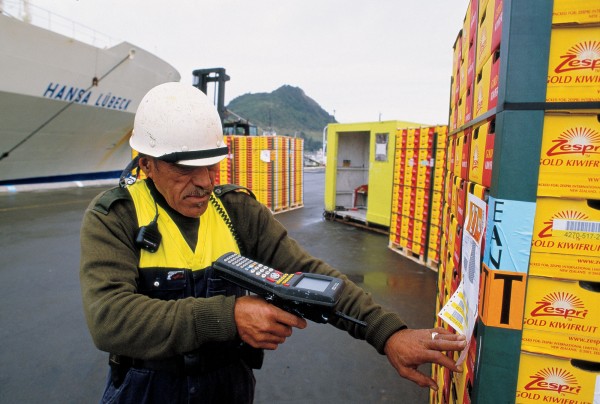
263 325
407 349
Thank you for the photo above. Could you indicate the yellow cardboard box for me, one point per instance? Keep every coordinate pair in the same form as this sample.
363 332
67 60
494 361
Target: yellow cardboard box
574 65
482 7
466 29
574 267
566 239
454 239
454 116
570 156
465 153
472 17
567 226
482 89
484 34
458 149
576 12
456 55
468 100
450 156
562 318
460 117
477 153
455 88
551 379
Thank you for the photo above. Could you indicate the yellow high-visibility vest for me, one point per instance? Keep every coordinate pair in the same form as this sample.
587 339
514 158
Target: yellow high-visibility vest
214 237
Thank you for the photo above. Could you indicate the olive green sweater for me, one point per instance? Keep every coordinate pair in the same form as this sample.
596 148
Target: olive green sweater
124 322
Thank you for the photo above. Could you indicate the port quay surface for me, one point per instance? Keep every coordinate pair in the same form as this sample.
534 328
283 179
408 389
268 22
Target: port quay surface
47 355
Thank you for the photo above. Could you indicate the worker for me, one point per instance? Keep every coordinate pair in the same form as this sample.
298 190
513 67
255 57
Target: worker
175 332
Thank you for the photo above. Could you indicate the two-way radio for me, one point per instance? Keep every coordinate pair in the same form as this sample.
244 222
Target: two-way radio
307 295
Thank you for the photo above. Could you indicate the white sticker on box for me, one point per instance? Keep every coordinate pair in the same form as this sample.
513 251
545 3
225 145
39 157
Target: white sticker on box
576 225
265 155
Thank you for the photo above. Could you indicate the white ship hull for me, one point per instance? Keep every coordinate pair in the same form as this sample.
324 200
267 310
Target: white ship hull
54 124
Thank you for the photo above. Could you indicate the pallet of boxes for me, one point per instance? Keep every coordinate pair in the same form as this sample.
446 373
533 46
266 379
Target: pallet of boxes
524 139
415 223
270 166
560 357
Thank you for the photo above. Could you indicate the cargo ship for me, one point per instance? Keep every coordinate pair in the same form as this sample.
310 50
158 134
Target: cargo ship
66 105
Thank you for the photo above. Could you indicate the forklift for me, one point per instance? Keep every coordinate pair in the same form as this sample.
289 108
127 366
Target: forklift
233 124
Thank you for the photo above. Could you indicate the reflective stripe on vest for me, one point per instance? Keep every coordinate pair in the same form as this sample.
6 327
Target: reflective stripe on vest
214 237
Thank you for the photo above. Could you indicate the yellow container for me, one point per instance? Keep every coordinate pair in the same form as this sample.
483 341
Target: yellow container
482 90
566 240
466 30
482 154
486 86
566 226
552 379
574 65
570 156
457 55
462 74
489 32
562 318
576 12
458 153
477 153
565 266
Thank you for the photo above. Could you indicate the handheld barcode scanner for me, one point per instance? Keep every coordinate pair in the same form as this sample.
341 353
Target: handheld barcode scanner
307 295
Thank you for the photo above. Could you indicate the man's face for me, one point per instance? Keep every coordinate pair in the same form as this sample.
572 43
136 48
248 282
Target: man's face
186 189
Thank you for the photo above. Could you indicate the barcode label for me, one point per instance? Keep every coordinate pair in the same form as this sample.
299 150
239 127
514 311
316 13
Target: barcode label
576 225
456 316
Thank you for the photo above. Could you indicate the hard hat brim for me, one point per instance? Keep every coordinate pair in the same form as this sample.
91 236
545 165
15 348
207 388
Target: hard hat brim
196 158
201 162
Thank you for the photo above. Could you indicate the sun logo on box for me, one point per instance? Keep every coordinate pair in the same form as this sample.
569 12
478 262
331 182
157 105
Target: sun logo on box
479 101
563 216
560 304
578 140
555 380
483 38
584 55
475 160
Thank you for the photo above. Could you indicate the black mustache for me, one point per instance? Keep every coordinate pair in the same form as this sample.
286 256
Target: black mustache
200 192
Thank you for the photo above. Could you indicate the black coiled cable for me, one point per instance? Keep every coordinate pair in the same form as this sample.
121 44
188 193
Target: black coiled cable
227 221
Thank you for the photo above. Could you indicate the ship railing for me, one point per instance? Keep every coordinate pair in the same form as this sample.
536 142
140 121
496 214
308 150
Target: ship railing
40 17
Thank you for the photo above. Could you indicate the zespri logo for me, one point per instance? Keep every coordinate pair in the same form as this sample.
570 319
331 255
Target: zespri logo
577 141
560 304
554 380
568 215
584 55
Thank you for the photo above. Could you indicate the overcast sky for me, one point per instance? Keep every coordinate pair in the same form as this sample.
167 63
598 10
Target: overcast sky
360 60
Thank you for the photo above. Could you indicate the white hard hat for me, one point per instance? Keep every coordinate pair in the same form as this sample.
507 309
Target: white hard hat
177 123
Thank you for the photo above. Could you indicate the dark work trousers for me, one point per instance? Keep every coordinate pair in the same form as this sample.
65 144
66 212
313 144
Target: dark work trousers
233 384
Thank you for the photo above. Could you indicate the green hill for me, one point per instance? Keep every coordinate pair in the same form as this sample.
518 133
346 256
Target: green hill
288 111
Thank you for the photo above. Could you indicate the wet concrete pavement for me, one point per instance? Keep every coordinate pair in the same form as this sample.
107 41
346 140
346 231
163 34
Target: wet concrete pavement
47 355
